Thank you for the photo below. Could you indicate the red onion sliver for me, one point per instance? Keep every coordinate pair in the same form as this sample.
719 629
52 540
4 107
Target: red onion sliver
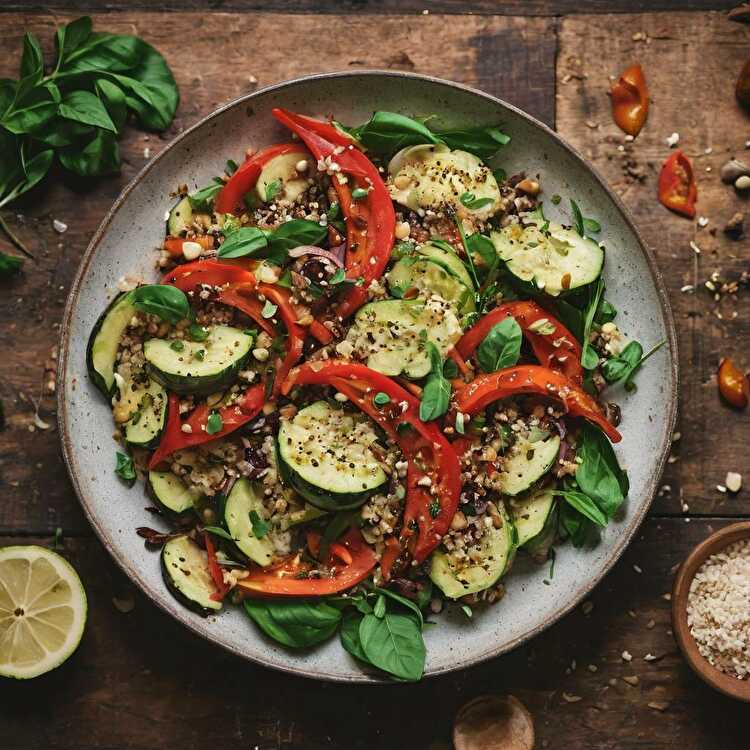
298 252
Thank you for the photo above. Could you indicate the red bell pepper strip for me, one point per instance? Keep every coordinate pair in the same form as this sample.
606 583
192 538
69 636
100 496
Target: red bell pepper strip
233 416
370 221
230 197
289 577
677 188
557 350
390 554
243 298
532 380
173 245
215 570
430 505
629 95
190 275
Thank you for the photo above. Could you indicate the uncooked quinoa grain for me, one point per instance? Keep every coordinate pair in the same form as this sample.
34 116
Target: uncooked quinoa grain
718 609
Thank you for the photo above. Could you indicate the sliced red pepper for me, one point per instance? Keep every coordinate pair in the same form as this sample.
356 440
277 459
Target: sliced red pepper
230 197
433 476
370 221
243 297
289 577
215 570
557 349
532 380
390 554
677 188
174 438
174 245
210 272
630 100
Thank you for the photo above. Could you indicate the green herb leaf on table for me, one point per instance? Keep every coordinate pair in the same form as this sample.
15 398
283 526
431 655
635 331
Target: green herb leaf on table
260 527
9 264
501 347
296 624
437 390
125 469
164 301
86 108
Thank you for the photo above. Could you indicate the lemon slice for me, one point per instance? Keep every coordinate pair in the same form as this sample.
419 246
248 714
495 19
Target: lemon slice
42 611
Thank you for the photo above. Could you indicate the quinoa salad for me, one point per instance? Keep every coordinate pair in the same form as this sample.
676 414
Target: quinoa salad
373 372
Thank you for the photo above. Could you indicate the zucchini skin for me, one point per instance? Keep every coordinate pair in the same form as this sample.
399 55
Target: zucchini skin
167 511
198 385
177 594
96 378
321 499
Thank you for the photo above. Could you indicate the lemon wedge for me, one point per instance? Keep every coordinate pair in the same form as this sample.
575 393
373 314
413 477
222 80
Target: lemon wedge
42 611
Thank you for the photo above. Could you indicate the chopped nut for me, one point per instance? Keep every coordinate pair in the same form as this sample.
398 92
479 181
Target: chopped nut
568 698
627 656
673 140
733 481
742 183
659 705
631 679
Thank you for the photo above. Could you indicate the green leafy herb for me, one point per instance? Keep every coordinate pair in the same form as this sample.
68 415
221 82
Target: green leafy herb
473 203
218 531
394 644
605 313
556 199
214 423
177 346
381 399
231 167
623 367
483 142
469 255
292 234
412 606
467 610
272 190
202 199
379 608
197 332
296 624
584 505
500 175
125 469
434 508
269 309
437 390
166 302
9 264
450 369
589 357
243 242
200 355
582 224
576 526
260 527
460 423
501 346
359 193
338 277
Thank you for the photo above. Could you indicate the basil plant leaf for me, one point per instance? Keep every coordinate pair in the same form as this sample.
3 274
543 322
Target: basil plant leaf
113 98
483 142
9 264
394 644
589 357
99 157
584 505
85 107
388 132
620 367
436 394
293 234
164 301
32 60
125 468
243 242
349 635
501 346
70 37
296 624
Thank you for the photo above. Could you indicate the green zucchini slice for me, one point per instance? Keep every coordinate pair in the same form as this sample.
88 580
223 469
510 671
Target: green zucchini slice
526 463
244 500
281 176
171 493
200 367
147 404
324 454
530 514
184 567
180 217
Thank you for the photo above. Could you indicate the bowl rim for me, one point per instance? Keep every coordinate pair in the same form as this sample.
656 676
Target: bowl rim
711 545
671 348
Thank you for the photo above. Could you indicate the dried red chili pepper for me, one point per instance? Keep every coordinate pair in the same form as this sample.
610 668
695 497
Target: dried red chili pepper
630 100
677 188
733 385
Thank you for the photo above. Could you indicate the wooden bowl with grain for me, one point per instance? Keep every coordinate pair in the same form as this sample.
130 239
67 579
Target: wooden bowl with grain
718 541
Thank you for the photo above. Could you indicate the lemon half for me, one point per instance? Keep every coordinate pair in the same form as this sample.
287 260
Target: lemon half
42 611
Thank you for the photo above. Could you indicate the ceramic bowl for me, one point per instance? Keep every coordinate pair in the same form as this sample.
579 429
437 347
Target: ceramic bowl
135 224
718 541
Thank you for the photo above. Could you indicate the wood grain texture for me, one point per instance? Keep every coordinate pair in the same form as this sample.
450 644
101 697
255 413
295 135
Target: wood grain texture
691 61
380 7
220 64
140 681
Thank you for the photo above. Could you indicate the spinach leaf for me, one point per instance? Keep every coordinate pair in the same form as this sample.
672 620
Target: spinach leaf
606 312
483 142
125 469
388 132
599 475
164 301
296 624
394 644
436 394
501 346
402 600
294 233
589 357
584 505
243 242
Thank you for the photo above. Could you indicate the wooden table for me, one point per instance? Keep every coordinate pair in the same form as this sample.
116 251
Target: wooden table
139 680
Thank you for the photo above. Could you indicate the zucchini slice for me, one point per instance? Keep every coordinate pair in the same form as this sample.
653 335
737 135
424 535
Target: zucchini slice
496 551
180 217
438 177
324 455
200 367
391 335
530 514
147 404
556 261
448 259
282 170
432 277
184 566
104 341
526 463
171 493
243 500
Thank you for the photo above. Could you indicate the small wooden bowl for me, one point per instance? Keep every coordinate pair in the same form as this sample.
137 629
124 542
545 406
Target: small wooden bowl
719 540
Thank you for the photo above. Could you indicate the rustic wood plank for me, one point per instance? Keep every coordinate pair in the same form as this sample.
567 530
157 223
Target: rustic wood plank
680 54
380 7
140 681
37 494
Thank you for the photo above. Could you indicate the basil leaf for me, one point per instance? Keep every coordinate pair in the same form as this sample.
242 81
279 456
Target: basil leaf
577 218
620 367
9 264
202 199
243 242
599 475
164 301
272 190
450 369
379 608
100 156
69 38
589 357
32 110
473 203
483 142
85 107
584 505
501 346
605 313
113 98
32 60
292 234
388 132
591 225
381 399
393 644
500 175
260 527
125 469
436 394
214 423
218 531
349 635
402 600
113 53
296 624
197 333
575 525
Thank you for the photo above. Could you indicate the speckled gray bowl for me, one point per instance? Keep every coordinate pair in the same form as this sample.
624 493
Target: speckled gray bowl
136 224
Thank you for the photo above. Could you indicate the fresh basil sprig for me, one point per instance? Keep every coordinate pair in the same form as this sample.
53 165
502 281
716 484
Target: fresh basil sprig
166 302
589 357
583 225
473 203
296 624
436 394
623 367
501 347
273 244
125 469
584 505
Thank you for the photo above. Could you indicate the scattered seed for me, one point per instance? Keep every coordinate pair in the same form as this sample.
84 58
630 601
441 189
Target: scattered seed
659 705
631 679
733 481
627 656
